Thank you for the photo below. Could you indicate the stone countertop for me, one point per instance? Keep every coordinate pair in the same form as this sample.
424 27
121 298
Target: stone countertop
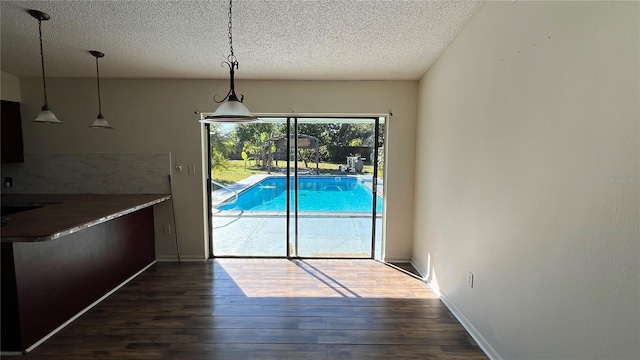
66 214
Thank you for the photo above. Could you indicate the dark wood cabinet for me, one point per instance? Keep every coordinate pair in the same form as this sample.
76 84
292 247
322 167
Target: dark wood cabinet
12 150
46 283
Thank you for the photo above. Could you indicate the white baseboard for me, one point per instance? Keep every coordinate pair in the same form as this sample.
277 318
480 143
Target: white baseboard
475 334
86 309
187 258
400 260
420 270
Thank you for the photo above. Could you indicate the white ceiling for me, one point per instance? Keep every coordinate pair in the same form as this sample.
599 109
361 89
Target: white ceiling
293 39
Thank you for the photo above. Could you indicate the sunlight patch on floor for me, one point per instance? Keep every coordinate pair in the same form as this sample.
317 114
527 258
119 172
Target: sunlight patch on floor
322 278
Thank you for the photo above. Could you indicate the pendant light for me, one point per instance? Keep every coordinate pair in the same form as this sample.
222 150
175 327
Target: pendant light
45 115
100 122
231 108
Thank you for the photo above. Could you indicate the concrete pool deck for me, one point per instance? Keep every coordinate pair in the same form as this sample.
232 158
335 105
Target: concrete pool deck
252 233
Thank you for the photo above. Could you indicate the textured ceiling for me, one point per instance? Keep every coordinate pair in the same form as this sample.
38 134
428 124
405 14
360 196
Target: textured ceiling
296 39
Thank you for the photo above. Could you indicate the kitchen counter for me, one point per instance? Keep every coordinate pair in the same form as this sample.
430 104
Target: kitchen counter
62 215
60 259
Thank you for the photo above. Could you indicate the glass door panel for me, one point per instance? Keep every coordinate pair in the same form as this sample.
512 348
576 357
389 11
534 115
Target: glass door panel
379 187
334 197
248 189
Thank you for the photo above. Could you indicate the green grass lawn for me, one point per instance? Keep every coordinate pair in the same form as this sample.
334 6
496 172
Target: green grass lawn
235 170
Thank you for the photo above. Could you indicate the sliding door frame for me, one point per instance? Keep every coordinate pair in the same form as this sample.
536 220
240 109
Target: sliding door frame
209 190
295 117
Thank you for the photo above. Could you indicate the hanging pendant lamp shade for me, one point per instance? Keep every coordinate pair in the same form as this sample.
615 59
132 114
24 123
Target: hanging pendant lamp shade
231 108
45 115
100 122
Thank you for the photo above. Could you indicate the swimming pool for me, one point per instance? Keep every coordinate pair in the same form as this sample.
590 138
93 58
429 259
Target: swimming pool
315 193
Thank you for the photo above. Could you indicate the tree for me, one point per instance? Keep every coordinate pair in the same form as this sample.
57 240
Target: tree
250 138
250 133
221 147
345 135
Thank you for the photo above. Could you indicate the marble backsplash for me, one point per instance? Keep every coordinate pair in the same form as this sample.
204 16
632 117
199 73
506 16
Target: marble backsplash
90 173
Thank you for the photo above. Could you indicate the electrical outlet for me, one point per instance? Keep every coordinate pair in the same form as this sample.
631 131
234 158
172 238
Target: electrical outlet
470 279
192 169
167 229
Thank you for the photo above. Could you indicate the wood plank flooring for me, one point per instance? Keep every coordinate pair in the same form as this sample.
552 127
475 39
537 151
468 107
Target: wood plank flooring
266 309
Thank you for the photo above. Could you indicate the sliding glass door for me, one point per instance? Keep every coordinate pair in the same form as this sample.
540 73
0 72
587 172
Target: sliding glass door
335 201
297 187
248 191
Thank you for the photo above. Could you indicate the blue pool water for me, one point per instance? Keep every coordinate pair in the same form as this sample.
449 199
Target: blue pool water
321 194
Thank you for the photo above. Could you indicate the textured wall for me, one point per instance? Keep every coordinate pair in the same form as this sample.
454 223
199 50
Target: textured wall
527 174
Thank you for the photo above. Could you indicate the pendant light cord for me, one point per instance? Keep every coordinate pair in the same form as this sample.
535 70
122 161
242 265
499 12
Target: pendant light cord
232 62
99 98
44 79
232 57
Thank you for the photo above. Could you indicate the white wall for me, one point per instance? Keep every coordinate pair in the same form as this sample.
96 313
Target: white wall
158 116
9 87
527 174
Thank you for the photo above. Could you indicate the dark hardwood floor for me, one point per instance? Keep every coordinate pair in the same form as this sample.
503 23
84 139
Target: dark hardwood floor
266 309
406 266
